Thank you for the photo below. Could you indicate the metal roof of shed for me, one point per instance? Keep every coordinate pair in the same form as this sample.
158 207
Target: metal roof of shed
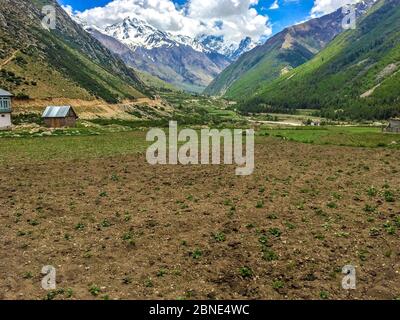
56 112
4 93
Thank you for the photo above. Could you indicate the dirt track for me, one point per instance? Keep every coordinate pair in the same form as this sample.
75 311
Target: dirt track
135 231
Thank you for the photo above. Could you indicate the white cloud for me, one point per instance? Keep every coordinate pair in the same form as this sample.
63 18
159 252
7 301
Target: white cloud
68 9
233 19
328 6
275 5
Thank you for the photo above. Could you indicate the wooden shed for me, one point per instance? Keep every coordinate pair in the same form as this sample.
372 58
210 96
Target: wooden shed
5 109
394 126
59 116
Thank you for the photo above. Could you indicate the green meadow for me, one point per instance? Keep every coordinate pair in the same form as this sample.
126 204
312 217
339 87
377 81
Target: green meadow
336 135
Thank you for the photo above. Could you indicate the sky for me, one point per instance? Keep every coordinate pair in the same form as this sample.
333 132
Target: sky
233 19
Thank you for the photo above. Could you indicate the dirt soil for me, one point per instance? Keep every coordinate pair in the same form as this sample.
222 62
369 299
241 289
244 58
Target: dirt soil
119 228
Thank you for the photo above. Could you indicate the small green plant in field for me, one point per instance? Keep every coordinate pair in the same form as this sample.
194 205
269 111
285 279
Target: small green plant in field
105 223
397 221
362 255
33 222
332 205
87 254
337 196
103 194
260 204
94 290
127 217
67 236
246 272
319 236
263 240
389 196
370 219
69 293
372 191
272 216
269 255
27 275
161 273
219 237
196 254
177 272
368 208
324 295
128 238
114 177
127 280
390 228
290 225
261 190
278 284
342 234
275 232
148 283
80 226
300 206
51 295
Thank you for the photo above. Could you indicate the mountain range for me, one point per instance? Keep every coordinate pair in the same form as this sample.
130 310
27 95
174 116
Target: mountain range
178 60
345 73
357 75
190 64
281 53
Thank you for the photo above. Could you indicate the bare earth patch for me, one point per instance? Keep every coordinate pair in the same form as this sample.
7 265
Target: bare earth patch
133 231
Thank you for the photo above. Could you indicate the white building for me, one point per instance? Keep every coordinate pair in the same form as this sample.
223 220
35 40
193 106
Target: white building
5 109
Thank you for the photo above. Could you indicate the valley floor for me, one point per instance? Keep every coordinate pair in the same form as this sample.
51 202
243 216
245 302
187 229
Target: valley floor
115 227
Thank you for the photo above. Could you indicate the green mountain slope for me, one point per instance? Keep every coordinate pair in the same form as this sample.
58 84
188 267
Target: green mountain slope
356 76
280 54
62 63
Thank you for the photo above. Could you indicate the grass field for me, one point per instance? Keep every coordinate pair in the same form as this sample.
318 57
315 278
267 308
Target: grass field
83 147
341 136
98 142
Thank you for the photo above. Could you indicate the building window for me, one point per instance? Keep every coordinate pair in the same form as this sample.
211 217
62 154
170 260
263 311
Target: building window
5 103
2 115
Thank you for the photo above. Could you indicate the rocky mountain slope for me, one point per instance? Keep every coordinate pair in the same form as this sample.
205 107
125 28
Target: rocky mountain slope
65 62
280 54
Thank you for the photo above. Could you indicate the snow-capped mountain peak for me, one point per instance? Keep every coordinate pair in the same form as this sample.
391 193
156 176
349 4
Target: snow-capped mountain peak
137 33
231 51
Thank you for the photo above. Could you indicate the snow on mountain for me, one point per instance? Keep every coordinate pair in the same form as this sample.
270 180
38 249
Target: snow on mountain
137 33
231 51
